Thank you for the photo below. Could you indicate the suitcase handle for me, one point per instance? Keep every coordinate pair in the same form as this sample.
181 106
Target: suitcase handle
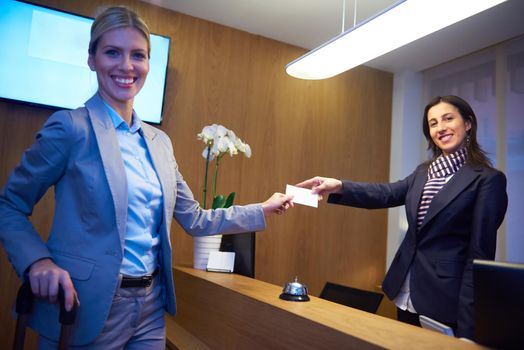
25 299
66 317
24 307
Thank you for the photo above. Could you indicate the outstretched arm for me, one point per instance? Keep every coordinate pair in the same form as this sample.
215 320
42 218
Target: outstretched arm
322 185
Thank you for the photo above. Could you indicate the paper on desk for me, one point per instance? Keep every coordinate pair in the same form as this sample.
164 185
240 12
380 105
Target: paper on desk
221 262
302 196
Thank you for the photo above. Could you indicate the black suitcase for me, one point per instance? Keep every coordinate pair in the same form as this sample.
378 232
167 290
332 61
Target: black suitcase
24 306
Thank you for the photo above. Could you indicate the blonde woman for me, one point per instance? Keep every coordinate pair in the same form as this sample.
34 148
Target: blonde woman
117 187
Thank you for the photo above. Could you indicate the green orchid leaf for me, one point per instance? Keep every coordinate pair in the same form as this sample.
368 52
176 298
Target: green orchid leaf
218 201
230 199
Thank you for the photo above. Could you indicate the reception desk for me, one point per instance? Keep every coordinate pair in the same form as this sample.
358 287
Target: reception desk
228 311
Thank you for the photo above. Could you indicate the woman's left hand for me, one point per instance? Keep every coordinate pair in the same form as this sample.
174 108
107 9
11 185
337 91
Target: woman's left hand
277 203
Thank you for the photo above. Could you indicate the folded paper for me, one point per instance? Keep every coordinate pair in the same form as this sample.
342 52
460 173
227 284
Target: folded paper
221 262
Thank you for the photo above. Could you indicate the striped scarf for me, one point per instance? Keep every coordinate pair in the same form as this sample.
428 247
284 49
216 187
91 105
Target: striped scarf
438 173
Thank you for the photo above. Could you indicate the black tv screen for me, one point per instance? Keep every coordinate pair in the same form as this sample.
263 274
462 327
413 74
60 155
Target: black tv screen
43 60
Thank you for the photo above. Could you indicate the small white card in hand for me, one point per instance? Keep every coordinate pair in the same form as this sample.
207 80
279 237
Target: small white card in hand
221 262
302 196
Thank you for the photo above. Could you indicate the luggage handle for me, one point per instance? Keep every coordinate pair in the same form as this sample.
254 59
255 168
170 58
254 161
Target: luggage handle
66 317
25 299
24 307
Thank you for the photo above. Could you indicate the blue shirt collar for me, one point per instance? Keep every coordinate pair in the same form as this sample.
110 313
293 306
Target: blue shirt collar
119 123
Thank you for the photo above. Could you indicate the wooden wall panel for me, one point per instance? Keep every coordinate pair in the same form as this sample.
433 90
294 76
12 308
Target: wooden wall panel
338 127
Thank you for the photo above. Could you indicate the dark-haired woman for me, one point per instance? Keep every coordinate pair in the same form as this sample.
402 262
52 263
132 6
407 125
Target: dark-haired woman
454 205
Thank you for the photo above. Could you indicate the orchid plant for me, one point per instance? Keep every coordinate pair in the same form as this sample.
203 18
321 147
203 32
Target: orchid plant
220 141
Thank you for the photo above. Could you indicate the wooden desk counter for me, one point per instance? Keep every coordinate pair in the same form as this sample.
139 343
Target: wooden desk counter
229 311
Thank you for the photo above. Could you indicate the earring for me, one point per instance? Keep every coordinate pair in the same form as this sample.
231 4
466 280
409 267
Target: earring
467 141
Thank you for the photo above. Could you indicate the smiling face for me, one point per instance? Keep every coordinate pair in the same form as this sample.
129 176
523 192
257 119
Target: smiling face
121 63
447 127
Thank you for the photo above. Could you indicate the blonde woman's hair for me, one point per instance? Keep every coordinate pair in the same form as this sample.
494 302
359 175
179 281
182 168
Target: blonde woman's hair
113 18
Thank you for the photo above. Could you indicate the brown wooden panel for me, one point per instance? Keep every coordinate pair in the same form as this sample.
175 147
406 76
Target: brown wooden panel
236 312
227 311
338 127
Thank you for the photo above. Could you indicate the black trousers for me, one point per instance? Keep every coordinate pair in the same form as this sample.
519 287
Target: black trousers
408 317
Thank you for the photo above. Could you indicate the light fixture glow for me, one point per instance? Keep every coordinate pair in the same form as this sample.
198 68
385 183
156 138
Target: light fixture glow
397 26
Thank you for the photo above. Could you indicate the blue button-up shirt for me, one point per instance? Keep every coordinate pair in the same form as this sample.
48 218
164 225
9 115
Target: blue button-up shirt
144 196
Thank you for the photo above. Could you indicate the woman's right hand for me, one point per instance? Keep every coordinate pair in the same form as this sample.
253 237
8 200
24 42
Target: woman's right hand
45 277
322 185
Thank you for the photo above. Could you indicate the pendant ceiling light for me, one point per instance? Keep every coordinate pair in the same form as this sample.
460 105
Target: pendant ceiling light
398 25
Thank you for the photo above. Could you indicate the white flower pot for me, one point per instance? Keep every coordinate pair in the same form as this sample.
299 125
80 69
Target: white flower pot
202 246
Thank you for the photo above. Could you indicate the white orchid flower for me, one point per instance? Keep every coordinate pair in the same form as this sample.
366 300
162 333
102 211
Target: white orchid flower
219 140
239 144
208 133
247 151
221 131
232 135
215 152
243 147
222 144
232 149
211 155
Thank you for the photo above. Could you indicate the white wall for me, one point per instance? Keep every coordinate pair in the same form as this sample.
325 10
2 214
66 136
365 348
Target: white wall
407 146
492 81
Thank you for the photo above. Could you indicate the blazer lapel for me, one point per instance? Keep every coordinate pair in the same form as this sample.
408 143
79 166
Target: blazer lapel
161 163
111 159
451 190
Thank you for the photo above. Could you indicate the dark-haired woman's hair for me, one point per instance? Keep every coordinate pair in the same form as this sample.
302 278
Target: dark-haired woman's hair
476 156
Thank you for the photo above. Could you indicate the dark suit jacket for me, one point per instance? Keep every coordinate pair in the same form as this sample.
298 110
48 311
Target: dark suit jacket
461 225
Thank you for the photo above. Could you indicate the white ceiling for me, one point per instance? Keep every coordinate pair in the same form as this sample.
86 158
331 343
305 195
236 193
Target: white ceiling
309 23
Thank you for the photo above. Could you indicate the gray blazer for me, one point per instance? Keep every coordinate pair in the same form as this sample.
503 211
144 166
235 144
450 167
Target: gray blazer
77 153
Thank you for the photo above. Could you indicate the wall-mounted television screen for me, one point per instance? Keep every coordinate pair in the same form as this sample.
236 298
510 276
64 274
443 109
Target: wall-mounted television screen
43 60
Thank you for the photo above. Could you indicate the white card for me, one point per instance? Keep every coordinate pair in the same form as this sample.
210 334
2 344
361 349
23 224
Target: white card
302 196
